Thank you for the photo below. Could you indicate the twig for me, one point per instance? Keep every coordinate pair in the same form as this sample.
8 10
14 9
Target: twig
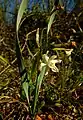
27 40
2 40
8 47
8 66
6 118
76 19
30 33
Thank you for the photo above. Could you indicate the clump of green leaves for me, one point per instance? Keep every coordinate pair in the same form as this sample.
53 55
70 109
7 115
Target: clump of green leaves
27 83
58 86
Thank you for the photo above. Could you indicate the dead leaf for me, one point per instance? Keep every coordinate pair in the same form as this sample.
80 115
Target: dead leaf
74 44
37 118
50 117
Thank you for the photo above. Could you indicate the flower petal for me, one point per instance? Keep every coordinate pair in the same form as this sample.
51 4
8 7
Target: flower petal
68 52
55 69
51 63
45 58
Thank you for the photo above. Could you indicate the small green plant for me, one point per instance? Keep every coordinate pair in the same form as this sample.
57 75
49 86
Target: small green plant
29 86
64 81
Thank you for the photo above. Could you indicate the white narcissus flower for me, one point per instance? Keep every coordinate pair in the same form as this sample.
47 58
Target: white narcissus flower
68 52
52 65
45 58
50 62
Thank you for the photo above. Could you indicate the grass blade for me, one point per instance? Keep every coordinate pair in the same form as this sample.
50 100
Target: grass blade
4 60
22 8
37 87
51 21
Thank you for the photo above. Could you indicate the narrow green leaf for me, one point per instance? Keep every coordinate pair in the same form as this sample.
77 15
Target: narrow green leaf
4 60
22 8
51 21
58 104
59 49
61 2
22 69
1 115
37 87
19 57
26 87
34 68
